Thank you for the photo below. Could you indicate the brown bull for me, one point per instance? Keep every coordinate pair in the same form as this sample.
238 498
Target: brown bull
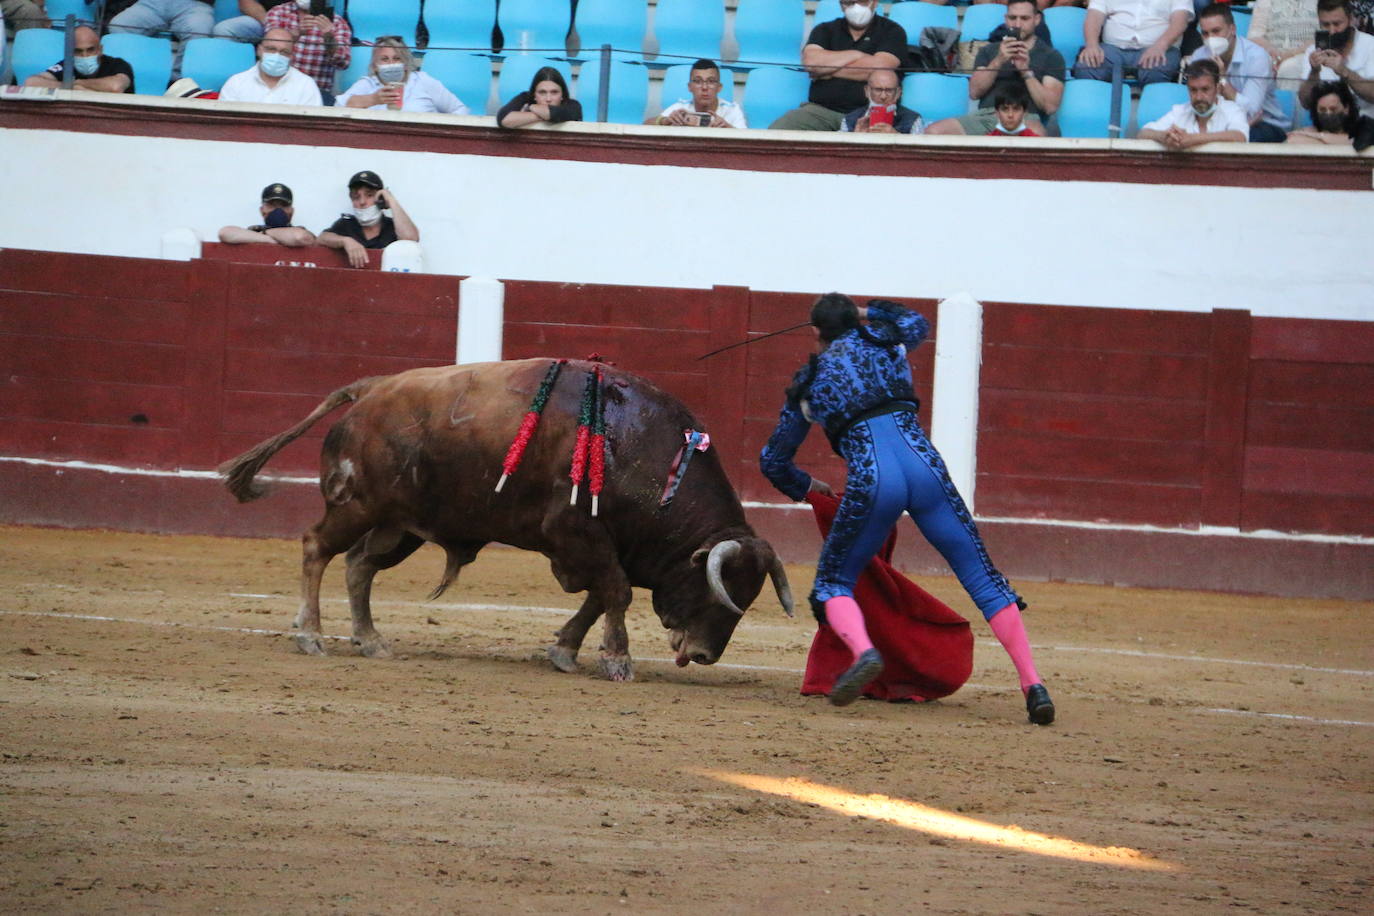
417 458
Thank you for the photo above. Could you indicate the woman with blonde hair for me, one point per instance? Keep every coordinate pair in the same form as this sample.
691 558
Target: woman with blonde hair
395 81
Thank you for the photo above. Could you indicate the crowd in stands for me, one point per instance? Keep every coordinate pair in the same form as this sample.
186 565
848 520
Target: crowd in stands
860 69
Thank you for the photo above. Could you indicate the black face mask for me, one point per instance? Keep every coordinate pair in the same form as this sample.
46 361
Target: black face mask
1340 39
277 219
1330 122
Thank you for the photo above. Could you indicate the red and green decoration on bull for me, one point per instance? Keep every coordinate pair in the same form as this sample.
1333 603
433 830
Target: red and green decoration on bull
529 424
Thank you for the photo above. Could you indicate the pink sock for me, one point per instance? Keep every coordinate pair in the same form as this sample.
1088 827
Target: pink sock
844 617
1011 633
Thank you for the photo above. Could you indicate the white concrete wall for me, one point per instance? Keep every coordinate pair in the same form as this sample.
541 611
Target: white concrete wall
1272 251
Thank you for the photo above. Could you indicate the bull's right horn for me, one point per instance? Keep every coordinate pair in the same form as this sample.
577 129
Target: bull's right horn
779 577
714 561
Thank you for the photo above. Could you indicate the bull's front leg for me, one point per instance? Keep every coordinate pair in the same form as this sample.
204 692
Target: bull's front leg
615 641
563 653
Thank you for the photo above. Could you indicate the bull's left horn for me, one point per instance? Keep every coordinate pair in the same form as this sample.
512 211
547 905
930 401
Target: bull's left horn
714 561
779 577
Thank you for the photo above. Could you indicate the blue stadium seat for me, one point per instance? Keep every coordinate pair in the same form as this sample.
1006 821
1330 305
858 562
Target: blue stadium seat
1242 23
689 29
35 50
466 75
618 23
358 64
627 98
1066 30
211 61
371 19
150 57
1155 101
518 69
464 26
980 20
769 31
827 10
535 26
675 85
935 95
772 92
1295 115
1086 109
83 10
915 15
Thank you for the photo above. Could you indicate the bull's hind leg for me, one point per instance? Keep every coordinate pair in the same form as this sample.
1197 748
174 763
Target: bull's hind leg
340 528
380 548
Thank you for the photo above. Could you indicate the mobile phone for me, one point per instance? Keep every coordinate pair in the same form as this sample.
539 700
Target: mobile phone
703 118
1323 40
321 8
1011 36
879 115
381 201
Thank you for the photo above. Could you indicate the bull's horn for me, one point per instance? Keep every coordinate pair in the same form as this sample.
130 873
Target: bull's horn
714 561
779 577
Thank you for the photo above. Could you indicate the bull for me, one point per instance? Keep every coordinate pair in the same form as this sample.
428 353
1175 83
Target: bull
416 459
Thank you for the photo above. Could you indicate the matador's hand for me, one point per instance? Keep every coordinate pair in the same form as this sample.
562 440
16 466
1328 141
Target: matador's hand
820 486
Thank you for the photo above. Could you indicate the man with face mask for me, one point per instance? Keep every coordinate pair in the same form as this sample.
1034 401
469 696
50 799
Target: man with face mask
1205 118
1349 56
366 226
839 55
1247 70
273 79
322 43
92 70
275 229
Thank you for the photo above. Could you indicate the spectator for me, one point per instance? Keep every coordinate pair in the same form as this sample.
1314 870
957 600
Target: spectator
546 100
839 55
367 227
884 113
1021 58
1133 33
1363 13
272 79
1349 56
1011 104
322 44
1335 115
185 19
93 70
394 81
1204 118
705 104
248 25
22 14
1249 72
276 229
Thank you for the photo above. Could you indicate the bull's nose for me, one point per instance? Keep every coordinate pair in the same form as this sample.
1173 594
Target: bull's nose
701 658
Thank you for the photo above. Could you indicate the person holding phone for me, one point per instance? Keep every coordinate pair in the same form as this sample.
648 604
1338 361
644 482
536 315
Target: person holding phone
1340 51
547 100
367 225
704 107
394 81
323 39
857 387
884 113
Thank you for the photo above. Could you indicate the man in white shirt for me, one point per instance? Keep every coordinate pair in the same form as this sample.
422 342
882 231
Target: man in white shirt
1248 70
1349 56
1143 34
703 82
272 79
1206 118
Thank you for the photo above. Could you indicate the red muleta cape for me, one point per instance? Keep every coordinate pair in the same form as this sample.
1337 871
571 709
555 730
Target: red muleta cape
927 648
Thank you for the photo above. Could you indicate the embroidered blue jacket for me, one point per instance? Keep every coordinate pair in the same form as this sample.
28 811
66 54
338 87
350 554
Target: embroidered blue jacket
851 376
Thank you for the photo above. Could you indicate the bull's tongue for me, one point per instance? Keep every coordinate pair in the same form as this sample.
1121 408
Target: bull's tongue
682 661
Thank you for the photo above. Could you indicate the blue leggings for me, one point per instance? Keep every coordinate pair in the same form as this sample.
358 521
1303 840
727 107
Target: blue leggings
894 468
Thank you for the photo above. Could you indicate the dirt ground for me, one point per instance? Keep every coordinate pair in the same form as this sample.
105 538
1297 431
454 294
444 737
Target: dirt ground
165 748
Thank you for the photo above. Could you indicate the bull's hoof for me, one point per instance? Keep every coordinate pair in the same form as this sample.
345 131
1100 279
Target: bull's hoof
617 668
310 643
374 647
563 658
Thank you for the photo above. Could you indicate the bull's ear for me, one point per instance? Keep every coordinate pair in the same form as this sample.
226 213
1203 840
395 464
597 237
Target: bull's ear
699 557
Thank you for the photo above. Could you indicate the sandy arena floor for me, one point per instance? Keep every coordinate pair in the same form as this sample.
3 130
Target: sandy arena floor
165 748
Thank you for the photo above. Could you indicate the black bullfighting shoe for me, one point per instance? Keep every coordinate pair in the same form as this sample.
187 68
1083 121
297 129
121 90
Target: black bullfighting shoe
857 676
1039 706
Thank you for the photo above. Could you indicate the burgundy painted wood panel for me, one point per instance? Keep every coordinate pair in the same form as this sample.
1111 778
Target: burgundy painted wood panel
602 305
1088 500
1090 415
1010 454
1296 339
90 316
91 359
311 256
1105 330
307 373
1091 372
1306 470
1308 512
87 274
666 350
338 330
134 443
267 288
1312 383
1307 426
102 402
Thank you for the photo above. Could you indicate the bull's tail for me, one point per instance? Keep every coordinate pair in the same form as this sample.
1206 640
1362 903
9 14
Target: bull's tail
451 568
238 473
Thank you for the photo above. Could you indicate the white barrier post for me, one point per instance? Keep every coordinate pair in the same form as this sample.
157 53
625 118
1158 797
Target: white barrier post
403 257
481 318
180 245
954 408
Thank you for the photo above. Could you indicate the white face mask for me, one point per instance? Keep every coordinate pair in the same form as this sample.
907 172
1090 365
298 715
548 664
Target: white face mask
859 16
1217 45
391 73
1206 113
368 216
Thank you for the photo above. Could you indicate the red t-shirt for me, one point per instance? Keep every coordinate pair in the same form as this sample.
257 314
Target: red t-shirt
1023 132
